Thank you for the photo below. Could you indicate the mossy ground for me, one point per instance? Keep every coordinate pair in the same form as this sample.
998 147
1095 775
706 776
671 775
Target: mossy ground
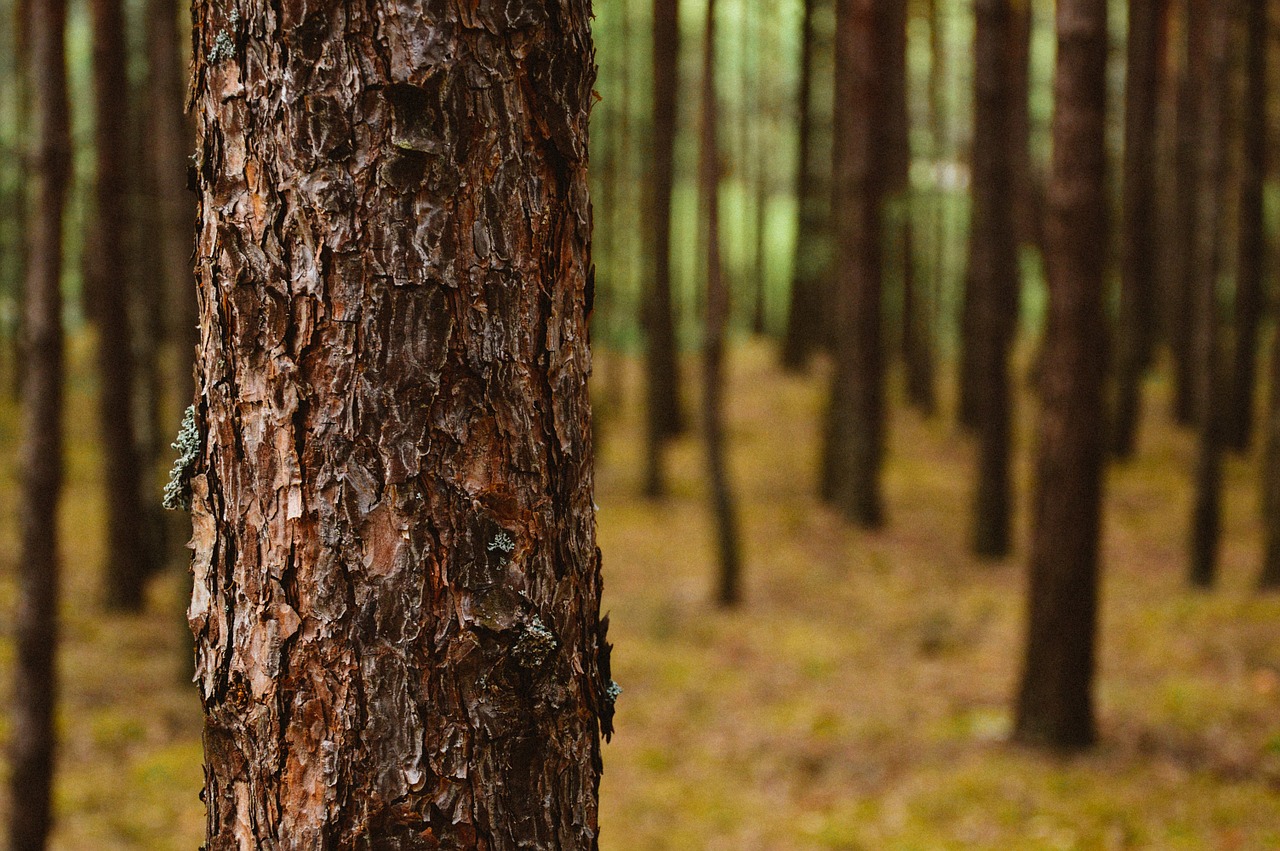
857 699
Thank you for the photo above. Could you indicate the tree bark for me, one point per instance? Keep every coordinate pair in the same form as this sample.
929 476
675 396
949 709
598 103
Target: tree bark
1181 317
396 583
1028 182
723 504
36 619
1252 244
1270 577
1137 329
130 556
993 275
1055 705
854 447
1210 393
664 416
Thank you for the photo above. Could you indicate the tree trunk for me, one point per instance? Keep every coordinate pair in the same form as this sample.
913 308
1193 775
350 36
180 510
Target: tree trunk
1136 333
723 504
1181 317
1211 394
129 558
396 583
1028 182
810 265
1251 257
855 438
664 417
1055 705
36 618
14 202
1270 578
993 275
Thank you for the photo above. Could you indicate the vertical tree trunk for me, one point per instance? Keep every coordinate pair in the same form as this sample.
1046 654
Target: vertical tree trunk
810 266
1181 318
993 274
723 504
1270 577
1136 333
1028 183
396 584
1055 706
1251 257
129 558
1211 394
855 426
36 620
664 418
14 203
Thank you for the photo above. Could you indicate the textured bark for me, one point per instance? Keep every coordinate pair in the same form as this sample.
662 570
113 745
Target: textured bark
130 558
810 266
1137 322
396 584
854 448
723 503
1055 705
1211 392
664 417
993 277
1181 317
1252 246
36 619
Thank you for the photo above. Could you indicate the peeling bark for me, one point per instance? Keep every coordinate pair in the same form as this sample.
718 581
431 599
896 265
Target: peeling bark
396 584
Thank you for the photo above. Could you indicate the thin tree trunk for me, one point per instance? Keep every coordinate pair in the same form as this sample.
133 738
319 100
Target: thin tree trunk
854 447
396 583
1055 704
1210 392
1270 577
1251 257
723 504
19 202
36 619
129 556
1186 193
993 275
805 328
1137 322
1028 183
664 417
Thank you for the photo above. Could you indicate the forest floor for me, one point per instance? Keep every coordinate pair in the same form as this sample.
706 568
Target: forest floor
858 699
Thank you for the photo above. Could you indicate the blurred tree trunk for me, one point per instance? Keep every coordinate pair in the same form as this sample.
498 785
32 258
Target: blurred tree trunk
854 448
993 277
396 583
16 206
1211 394
1252 247
810 265
1186 194
723 504
664 417
1055 705
1028 183
35 629
1137 321
129 557
1270 578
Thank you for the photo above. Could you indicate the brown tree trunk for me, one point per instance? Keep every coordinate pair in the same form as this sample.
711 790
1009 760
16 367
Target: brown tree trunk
1211 393
1252 246
1181 316
1055 705
1270 577
396 583
664 417
854 447
1137 330
18 204
130 557
36 619
723 504
1028 182
811 262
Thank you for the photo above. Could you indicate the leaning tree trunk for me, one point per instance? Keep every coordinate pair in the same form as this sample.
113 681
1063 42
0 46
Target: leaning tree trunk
1137 321
664 417
1055 705
130 555
1251 256
854 447
36 619
993 276
396 584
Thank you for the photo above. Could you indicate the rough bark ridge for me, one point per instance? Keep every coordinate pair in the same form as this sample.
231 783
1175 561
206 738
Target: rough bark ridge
1055 705
36 620
396 584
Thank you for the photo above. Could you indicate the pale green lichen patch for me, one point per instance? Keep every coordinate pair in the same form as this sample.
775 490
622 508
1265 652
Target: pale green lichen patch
177 492
534 645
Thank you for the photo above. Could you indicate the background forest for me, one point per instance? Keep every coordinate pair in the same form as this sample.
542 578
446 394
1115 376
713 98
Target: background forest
819 645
